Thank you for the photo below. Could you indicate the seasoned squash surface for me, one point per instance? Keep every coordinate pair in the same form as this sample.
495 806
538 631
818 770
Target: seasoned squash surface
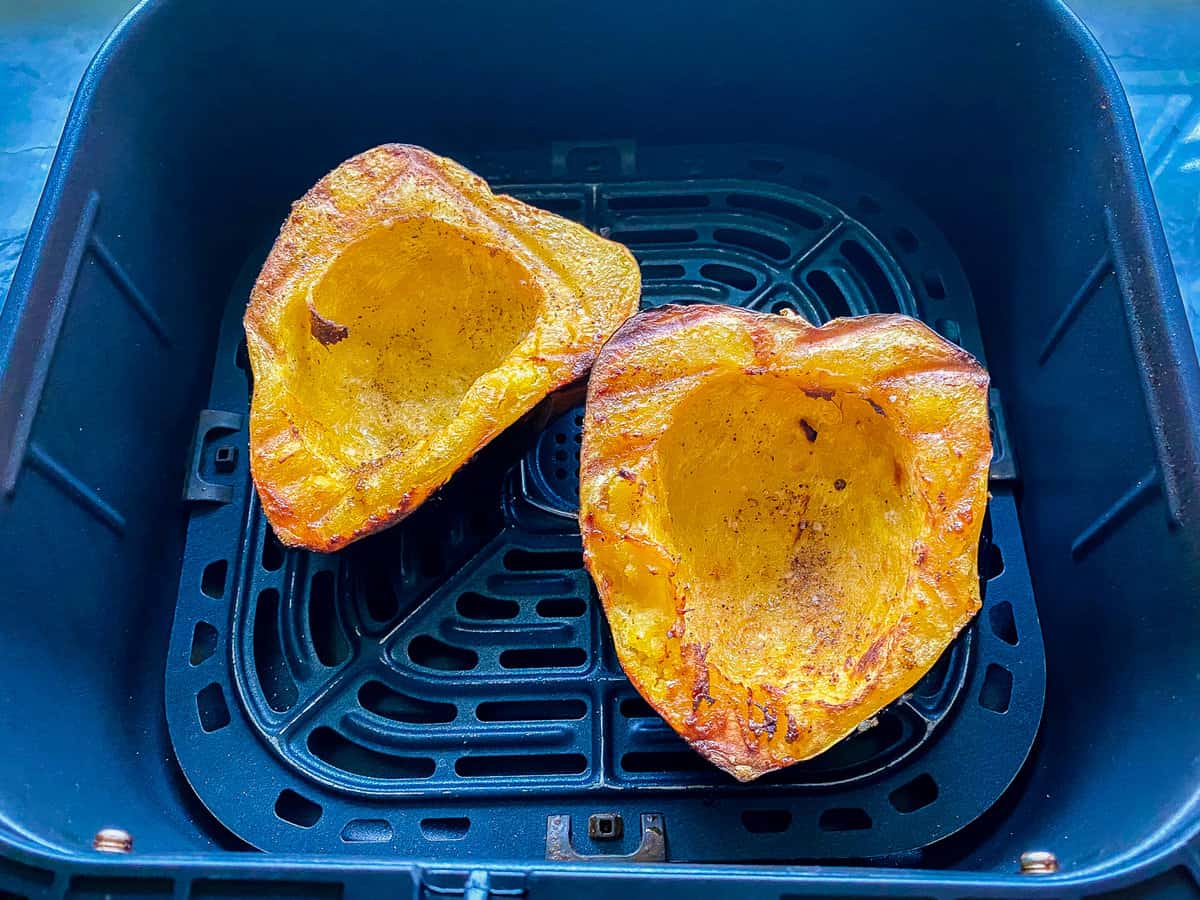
782 521
406 316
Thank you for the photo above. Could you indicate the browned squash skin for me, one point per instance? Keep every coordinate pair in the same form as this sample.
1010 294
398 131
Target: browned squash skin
782 521
405 317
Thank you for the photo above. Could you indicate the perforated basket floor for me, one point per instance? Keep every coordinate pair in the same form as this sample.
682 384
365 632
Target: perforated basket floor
447 688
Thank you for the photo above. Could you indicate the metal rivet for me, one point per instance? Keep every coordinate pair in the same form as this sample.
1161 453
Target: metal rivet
113 840
1038 862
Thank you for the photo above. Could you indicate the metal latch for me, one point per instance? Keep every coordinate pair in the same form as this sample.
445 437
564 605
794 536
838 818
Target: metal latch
653 847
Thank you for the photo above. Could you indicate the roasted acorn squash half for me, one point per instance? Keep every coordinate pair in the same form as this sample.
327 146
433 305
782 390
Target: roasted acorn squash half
782 521
406 316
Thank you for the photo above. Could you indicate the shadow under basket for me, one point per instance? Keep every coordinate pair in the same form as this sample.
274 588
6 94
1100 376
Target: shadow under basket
408 695
437 710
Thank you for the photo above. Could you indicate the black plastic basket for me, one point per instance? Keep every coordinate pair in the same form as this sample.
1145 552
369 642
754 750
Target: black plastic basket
368 717
412 694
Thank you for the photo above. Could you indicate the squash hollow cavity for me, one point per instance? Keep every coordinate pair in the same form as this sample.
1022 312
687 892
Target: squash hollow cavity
791 518
424 312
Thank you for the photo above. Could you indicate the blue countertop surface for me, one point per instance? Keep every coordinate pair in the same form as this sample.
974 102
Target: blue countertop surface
1154 44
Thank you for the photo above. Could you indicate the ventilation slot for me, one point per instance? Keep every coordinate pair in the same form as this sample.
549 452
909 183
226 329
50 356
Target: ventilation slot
367 831
991 562
273 676
297 810
204 643
480 606
736 278
445 829
877 283
212 582
637 708
753 240
935 288
548 764
431 653
664 761
766 821
272 552
531 710
917 794
329 641
376 697
335 750
542 560
906 240
781 209
560 206
1004 626
996 692
656 236
561 608
543 658
828 293
662 272
844 819
526 584
382 605
210 705
431 558
658 201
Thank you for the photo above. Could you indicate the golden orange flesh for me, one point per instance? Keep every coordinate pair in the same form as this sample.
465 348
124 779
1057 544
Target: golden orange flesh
782 521
406 316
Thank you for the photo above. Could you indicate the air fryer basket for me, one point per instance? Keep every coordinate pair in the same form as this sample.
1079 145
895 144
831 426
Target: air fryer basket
390 698
368 717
